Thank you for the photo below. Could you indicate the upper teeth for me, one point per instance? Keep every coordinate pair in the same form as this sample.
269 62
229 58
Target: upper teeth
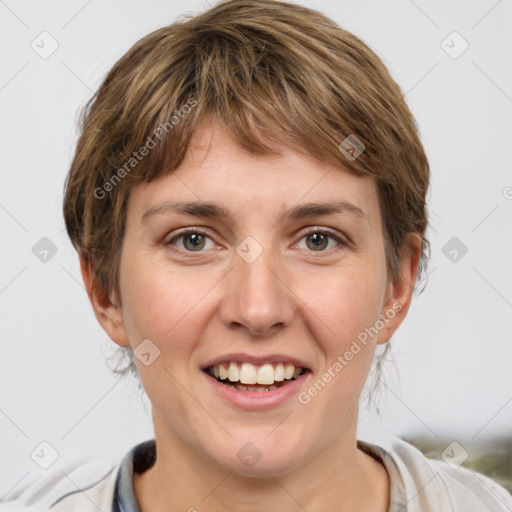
248 373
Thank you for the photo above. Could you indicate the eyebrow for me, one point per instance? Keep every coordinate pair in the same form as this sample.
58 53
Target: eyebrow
212 210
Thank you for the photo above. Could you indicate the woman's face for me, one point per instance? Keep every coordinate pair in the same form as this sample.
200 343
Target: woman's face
284 265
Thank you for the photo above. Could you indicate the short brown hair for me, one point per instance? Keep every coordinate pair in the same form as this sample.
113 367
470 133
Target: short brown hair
267 70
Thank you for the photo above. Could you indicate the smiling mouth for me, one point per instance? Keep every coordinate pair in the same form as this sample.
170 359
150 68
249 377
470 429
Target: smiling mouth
252 378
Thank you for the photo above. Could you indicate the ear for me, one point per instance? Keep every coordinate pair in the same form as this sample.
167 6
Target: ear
399 291
108 314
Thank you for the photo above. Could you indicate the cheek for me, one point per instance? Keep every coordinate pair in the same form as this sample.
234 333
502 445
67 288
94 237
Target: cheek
345 302
164 306
341 315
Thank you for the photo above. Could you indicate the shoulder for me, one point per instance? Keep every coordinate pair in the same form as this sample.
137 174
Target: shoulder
78 486
449 484
420 484
423 484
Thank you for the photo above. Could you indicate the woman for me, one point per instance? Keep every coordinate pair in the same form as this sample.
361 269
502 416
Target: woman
247 199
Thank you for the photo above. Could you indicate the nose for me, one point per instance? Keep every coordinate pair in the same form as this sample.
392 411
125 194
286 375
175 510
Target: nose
257 299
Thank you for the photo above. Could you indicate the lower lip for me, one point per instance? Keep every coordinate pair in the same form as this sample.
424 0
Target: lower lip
254 400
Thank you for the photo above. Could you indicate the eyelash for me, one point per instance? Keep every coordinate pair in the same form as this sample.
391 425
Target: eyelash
203 232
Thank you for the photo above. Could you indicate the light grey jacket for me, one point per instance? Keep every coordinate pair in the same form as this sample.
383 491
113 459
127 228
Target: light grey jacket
418 484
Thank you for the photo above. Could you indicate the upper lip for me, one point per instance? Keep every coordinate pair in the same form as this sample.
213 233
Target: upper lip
256 360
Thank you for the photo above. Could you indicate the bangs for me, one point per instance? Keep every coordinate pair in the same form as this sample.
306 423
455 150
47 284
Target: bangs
288 90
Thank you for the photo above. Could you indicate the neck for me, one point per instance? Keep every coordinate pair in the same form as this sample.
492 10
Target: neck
340 477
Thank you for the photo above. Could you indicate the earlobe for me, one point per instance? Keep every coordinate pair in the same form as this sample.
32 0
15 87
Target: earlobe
108 314
399 291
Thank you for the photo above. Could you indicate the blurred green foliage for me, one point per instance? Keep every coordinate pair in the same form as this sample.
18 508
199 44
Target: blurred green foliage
491 457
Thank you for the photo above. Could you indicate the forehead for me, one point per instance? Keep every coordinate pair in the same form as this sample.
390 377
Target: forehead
217 171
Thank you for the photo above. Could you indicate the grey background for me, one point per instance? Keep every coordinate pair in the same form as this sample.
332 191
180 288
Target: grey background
454 352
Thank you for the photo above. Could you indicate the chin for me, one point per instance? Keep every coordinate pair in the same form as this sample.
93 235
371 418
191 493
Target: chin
264 468
258 457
